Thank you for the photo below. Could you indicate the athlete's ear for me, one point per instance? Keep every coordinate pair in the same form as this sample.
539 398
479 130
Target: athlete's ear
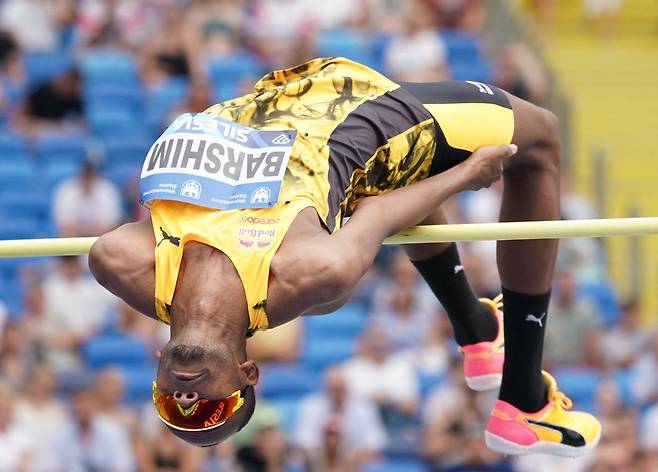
250 371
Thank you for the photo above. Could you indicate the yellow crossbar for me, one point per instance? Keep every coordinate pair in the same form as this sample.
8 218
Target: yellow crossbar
419 234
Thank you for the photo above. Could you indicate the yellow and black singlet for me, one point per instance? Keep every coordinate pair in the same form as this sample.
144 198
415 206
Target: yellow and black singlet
358 134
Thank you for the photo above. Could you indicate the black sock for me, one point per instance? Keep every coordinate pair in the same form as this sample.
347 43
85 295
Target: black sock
472 322
525 322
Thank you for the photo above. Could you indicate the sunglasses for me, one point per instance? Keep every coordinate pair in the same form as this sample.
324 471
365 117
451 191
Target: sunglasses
202 415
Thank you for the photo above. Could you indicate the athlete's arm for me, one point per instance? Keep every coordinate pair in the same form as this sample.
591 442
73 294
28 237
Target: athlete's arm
123 262
376 218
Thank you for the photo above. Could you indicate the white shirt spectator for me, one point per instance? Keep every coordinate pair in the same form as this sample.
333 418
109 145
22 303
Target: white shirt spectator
86 212
31 23
3 320
15 446
415 55
361 426
648 435
393 380
106 446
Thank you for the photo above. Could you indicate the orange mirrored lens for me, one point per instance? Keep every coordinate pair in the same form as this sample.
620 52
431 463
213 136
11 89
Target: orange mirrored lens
203 414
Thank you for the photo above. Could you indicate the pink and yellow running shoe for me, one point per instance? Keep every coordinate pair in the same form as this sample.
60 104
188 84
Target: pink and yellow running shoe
552 430
483 362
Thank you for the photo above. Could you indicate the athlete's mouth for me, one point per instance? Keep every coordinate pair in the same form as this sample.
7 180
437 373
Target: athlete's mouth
186 376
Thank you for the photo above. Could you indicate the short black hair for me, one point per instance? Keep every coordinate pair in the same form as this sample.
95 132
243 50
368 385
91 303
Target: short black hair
214 436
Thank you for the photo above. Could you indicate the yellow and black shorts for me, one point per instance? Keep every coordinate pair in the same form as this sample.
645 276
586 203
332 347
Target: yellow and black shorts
410 133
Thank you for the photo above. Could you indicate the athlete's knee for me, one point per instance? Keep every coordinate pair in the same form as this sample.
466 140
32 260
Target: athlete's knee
542 152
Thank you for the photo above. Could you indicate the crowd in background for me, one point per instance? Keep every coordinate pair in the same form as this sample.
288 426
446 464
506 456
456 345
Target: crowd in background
377 386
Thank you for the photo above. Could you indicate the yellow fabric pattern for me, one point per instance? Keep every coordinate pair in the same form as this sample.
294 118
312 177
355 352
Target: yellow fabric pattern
415 146
488 123
248 237
313 99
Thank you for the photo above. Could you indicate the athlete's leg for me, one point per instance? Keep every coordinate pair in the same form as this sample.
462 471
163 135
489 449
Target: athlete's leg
531 192
440 266
123 262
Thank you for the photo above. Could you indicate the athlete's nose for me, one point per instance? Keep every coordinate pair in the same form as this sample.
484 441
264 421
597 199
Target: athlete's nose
186 399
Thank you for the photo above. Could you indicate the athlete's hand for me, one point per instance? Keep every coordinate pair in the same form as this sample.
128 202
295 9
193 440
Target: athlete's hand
485 166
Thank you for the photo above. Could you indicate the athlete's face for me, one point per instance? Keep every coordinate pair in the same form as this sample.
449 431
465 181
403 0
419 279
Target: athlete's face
191 372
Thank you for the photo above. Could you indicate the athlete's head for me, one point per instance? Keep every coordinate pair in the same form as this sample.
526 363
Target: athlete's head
204 393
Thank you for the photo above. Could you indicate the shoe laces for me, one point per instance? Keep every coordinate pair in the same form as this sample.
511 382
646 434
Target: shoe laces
498 301
562 400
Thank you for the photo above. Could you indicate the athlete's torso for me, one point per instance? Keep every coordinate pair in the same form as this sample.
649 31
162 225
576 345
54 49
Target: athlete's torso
358 134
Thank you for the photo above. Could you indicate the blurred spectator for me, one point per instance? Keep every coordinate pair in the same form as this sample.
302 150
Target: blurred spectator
376 375
401 271
454 418
281 344
161 451
86 205
418 54
648 433
222 458
431 356
645 375
333 428
602 14
213 29
16 354
13 82
109 390
572 330
153 333
76 307
466 15
199 99
618 442
57 103
623 343
91 440
165 53
36 24
542 14
40 413
521 73
118 23
404 319
15 441
268 452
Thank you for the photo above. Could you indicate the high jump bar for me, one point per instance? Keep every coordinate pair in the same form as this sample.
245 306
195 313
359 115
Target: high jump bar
593 228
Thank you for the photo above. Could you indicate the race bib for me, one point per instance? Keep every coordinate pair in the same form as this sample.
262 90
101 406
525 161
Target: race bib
212 162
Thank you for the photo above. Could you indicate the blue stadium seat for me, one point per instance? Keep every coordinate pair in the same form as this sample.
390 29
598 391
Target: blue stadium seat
291 381
115 98
397 465
60 148
287 408
12 148
579 384
347 43
347 321
123 174
23 227
138 379
224 92
121 152
115 123
16 174
56 172
232 69
465 57
319 353
34 204
42 67
109 67
605 300
480 71
104 350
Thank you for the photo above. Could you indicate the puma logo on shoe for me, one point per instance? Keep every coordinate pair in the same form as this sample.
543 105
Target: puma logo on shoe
458 269
532 317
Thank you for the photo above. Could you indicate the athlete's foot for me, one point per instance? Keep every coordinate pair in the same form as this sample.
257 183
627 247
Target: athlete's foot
551 430
483 361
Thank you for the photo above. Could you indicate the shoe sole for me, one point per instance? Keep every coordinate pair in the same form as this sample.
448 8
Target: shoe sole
503 446
482 383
